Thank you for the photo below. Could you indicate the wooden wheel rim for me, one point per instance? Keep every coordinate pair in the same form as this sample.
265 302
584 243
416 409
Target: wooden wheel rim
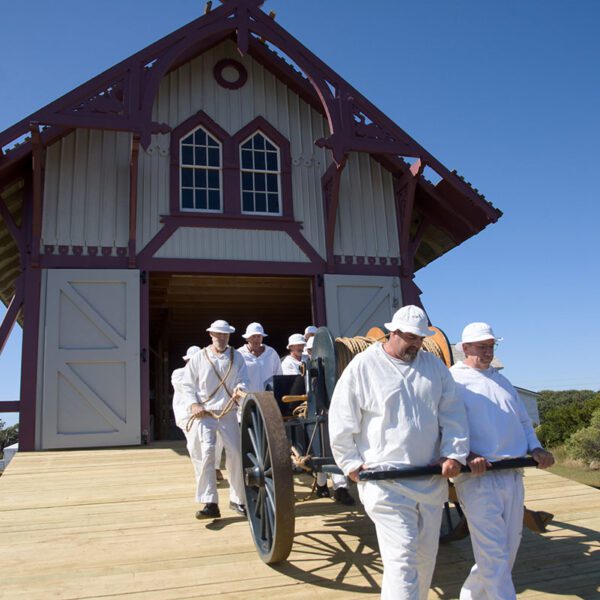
268 481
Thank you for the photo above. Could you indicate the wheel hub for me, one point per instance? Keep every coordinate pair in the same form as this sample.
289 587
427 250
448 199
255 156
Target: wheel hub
254 477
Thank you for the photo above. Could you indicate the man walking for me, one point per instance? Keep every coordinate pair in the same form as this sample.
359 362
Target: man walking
492 501
211 381
394 407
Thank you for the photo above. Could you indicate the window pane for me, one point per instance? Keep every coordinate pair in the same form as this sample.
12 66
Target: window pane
247 144
270 146
213 157
272 183
213 179
273 203
188 140
247 182
259 142
272 162
187 155
246 159
259 161
201 199
212 142
200 178
214 202
187 199
260 182
261 202
200 137
248 201
187 177
201 157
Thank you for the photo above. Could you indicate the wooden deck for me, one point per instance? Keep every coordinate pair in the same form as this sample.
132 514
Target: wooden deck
119 523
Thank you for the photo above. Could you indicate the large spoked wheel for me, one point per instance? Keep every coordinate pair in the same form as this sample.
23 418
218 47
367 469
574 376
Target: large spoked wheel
268 478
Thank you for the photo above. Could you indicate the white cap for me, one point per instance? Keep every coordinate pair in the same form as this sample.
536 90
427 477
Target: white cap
477 332
254 329
310 342
310 329
295 339
190 352
220 326
410 319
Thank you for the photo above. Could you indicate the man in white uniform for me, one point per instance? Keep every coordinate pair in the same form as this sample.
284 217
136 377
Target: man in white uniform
210 383
261 360
292 363
182 417
394 407
492 501
309 333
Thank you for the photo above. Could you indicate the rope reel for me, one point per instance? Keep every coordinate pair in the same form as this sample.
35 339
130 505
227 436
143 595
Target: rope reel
337 354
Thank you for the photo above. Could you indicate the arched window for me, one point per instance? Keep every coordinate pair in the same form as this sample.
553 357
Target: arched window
200 162
260 174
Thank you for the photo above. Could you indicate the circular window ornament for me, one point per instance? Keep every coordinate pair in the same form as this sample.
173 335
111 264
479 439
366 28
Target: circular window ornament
230 74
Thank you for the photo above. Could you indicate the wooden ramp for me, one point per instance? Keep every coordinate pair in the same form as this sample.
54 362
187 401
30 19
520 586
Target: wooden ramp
119 523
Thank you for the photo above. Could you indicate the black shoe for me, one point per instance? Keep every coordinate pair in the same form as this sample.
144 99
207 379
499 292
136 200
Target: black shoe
210 511
239 508
322 491
343 496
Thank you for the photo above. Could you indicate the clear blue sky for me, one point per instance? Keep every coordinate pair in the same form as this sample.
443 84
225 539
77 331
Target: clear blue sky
507 93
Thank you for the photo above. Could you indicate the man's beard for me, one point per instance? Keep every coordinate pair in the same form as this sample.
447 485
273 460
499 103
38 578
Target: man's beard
220 346
409 355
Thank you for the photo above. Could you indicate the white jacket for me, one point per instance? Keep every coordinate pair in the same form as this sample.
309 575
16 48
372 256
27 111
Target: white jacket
200 377
498 421
387 413
260 368
291 366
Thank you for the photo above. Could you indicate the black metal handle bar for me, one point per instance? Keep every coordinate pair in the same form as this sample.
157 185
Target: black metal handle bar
376 475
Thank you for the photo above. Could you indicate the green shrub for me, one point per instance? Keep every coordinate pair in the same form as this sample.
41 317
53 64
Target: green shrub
584 445
8 436
565 418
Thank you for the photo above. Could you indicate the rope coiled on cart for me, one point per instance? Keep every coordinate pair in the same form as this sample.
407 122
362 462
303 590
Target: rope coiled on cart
347 348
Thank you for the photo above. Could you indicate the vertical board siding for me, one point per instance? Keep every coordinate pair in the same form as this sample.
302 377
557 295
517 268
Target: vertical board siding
366 220
231 244
86 190
191 88
86 193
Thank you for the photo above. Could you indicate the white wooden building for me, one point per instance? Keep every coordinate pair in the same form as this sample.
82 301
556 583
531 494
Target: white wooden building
222 172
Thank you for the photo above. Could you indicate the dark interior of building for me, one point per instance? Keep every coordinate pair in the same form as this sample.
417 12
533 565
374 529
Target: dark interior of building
183 306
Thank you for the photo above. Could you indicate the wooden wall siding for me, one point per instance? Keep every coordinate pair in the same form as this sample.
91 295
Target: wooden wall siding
191 88
86 191
231 244
366 221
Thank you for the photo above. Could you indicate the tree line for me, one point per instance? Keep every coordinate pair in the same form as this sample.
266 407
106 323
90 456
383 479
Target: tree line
8 436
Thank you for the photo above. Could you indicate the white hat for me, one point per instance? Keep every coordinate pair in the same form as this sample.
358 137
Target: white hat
311 341
190 352
220 326
410 319
295 339
310 329
254 329
477 332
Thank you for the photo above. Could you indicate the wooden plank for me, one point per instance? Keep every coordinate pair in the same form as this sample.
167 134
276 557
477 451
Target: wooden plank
118 523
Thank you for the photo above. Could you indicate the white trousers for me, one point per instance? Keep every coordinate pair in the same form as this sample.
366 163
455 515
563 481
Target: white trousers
408 534
194 450
337 480
493 505
229 431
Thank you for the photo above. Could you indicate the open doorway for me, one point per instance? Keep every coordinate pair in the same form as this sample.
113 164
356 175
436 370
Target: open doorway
182 307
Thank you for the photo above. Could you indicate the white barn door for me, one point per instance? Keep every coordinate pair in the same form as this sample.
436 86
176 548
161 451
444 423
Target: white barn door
91 384
355 303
